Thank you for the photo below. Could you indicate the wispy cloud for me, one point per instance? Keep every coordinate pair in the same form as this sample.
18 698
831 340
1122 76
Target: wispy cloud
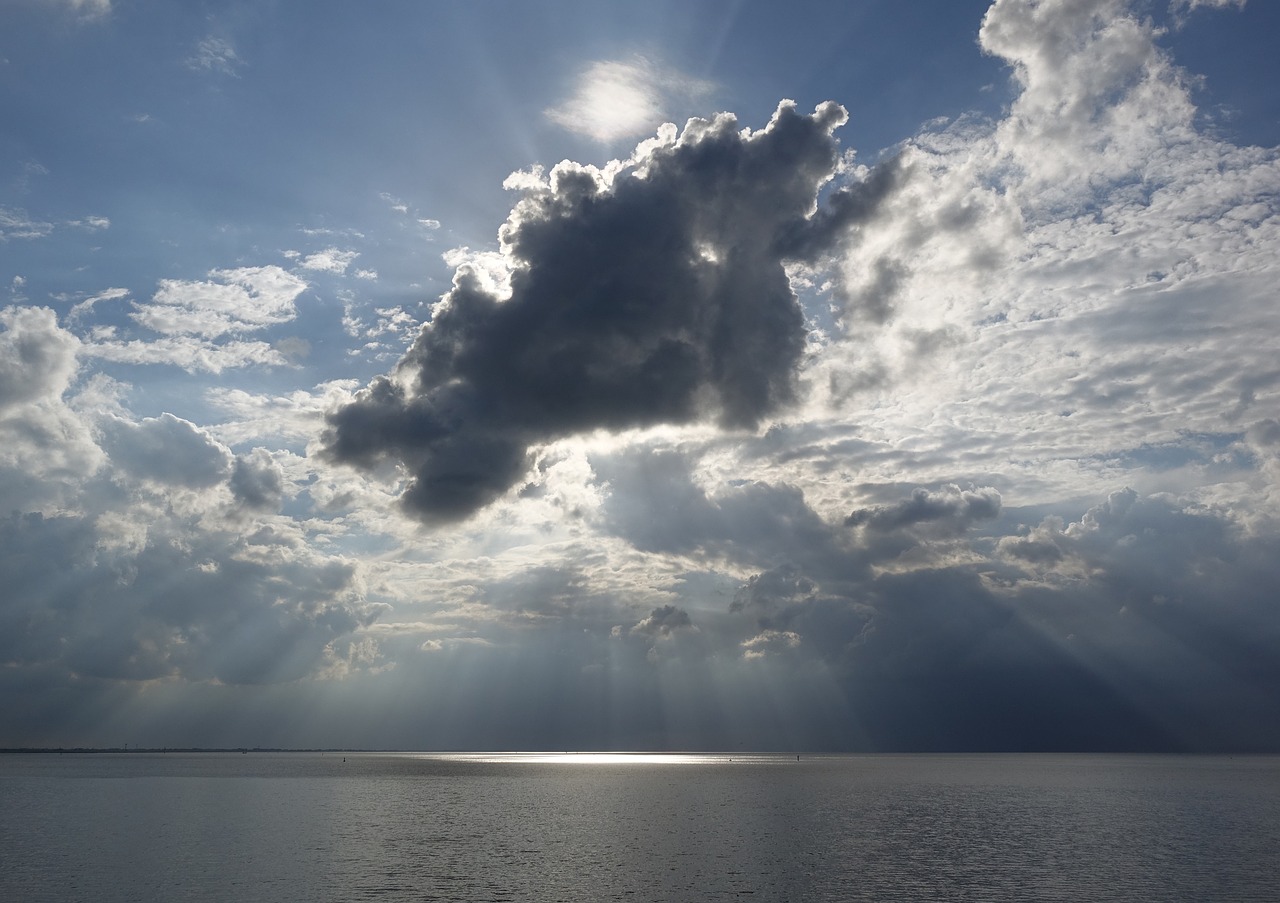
88 9
17 223
215 54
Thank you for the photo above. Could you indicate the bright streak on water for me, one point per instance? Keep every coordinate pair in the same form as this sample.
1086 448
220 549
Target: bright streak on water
602 758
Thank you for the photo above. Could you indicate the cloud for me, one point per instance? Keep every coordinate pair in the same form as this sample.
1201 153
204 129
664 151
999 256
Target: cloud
664 621
1182 7
624 99
768 643
215 54
191 353
650 292
1097 94
37 358
257 481
83 307
236 300
197 319
17 223
962 357
293 418
782 585
166 450
200 605
655 504
91 223
950 509
47 447
87 9
330 260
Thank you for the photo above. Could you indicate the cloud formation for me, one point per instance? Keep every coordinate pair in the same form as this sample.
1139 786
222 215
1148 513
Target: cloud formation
951 509
974 449
650 292
215 54
231 301
201 322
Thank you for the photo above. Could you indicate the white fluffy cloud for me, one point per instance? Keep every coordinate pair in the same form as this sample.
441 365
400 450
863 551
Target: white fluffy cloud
37 358
200 321
166 450
330 260
48 450
231 301
1021 294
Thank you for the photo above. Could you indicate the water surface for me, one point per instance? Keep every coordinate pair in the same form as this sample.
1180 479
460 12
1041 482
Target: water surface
471 827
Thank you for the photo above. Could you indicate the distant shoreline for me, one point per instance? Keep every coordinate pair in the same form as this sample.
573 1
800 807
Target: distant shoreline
92 750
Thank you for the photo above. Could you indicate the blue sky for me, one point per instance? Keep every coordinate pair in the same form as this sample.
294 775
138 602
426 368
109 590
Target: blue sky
603 376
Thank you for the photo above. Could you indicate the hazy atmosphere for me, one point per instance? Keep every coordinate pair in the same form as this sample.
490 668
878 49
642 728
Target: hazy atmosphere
573 375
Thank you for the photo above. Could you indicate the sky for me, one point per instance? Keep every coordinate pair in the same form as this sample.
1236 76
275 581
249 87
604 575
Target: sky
856 376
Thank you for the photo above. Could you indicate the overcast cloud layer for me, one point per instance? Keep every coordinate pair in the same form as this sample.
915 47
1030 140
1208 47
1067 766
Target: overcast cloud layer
751 436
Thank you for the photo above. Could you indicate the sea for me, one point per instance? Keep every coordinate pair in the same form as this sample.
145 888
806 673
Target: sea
334 826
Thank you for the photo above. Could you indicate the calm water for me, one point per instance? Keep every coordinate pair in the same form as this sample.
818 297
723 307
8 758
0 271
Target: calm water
302 826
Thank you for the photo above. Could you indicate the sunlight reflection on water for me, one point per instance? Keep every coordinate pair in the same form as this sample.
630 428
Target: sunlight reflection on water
606 758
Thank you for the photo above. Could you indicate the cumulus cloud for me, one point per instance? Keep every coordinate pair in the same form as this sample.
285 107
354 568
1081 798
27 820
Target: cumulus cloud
167 450
782 585
330 260
616 99
257 480
657 506
179 603
1097 94
768 643
37 358
664 621
650 292
200 321
230 301
951 509
47 446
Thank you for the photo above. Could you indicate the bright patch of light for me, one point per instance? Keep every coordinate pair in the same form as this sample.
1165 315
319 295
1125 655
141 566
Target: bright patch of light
596 758
615 99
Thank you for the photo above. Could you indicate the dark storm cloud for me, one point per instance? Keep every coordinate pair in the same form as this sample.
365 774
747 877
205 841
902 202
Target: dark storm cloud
781 585
663 621
950 509
653 295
